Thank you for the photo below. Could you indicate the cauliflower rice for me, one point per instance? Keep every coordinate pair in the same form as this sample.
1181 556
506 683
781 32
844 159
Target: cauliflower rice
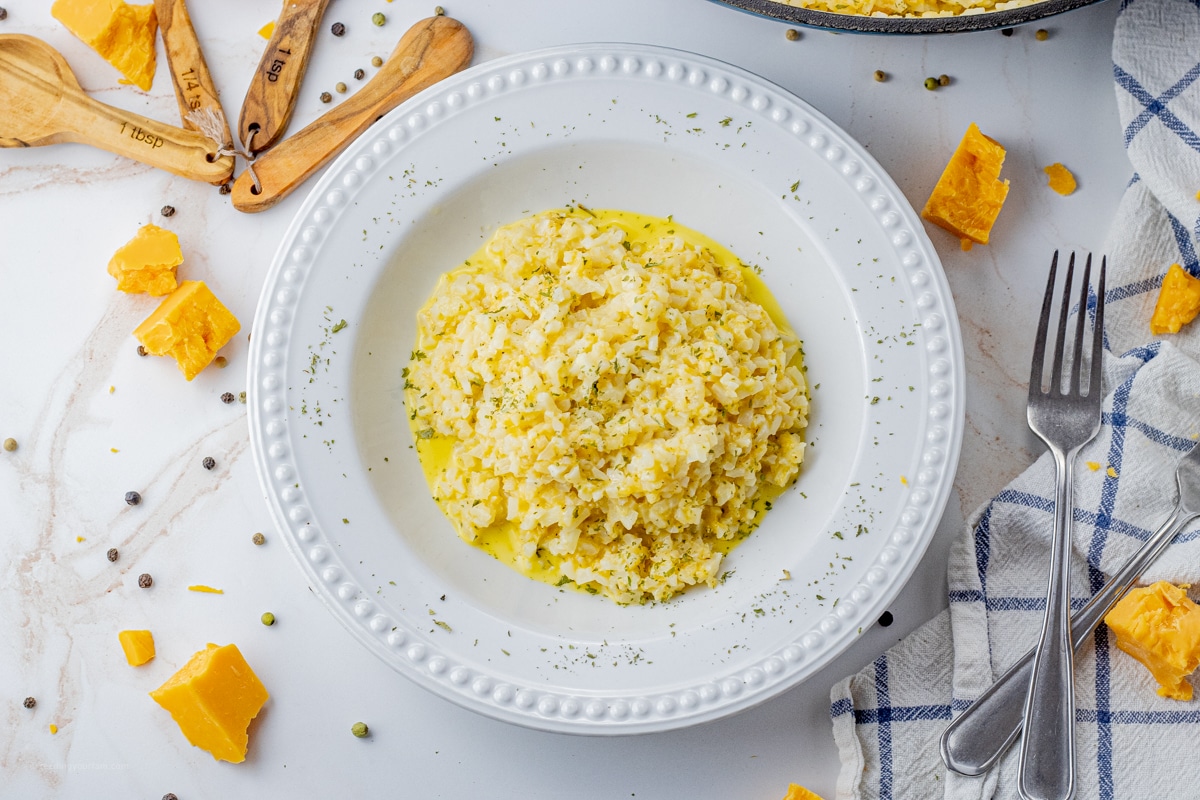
616 407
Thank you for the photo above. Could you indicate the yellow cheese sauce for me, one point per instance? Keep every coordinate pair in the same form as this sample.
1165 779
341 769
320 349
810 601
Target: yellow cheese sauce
434 451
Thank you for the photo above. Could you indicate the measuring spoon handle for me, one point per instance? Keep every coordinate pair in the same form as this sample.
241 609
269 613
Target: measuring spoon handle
430 50
974 742
271 96
185 153
194 86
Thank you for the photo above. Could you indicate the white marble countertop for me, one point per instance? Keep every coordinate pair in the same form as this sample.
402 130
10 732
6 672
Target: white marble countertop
74 390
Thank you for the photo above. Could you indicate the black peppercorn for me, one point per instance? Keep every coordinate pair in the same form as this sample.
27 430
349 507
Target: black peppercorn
141 351
170 796
337 29
359 74
168 211
885 619
227 398
326 97
29 701
113 555
3 13
1006 32
133 498
208 462
145 581
226 188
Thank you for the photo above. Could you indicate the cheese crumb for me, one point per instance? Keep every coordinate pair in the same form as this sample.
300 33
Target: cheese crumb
1112 473
1093 465
53 728
1060 178
199 587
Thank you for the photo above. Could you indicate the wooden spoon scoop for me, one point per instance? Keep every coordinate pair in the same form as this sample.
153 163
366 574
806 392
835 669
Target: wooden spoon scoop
194 87
44 104
433 49
271 97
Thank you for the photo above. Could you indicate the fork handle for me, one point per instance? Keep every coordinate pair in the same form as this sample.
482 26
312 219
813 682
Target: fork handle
1047 766
974 742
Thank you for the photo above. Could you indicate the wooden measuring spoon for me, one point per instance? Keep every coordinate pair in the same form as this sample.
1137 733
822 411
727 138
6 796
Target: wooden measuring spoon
194 87
271 97
44 104
433 49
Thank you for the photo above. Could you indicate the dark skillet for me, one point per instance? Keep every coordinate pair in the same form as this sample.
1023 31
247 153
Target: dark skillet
852 23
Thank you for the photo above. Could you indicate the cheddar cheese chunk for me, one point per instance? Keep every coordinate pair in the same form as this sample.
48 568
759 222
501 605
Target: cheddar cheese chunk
122 34
798 792
213 697
191 325
147 262
1178 302
1160 627
968 197
138 646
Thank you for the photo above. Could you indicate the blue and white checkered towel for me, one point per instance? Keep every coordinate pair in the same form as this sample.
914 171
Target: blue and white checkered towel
1131 743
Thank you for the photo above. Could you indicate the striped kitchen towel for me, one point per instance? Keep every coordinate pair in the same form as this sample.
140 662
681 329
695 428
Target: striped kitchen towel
887 719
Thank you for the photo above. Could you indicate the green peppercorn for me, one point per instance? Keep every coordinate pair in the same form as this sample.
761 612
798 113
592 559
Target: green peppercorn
438 11
378 19
258 538
340 87
376 61
880 75
1041 34
268 618
359 729
792 35
943 80
10 444
931 83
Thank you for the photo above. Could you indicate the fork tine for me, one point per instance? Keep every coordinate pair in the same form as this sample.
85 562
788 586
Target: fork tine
1098 333
1039 343
1075 380
1056 368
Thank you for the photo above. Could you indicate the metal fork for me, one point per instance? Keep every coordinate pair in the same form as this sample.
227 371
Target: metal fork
974 742
1066 419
